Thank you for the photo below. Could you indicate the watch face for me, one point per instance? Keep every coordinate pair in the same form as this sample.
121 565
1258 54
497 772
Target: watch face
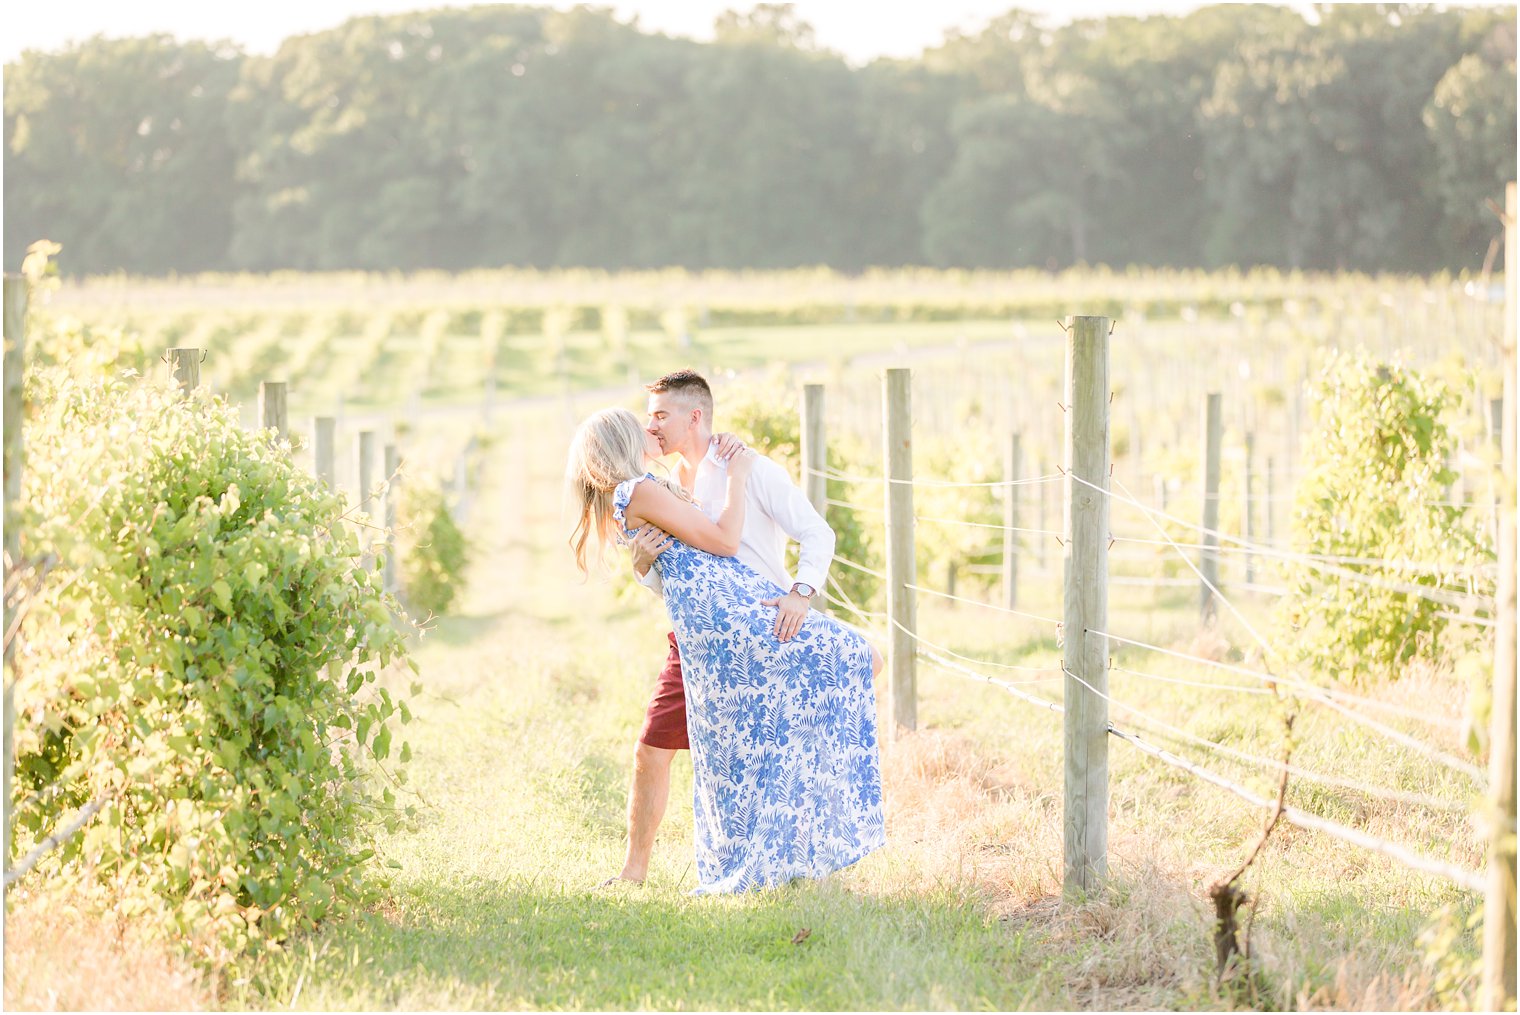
803 589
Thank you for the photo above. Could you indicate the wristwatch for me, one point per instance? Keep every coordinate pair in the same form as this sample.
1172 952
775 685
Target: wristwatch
804 590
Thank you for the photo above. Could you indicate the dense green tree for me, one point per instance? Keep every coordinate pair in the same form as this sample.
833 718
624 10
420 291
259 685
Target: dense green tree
118 150
1471 120
1318 154
765 154
1371 136
352 140
905 147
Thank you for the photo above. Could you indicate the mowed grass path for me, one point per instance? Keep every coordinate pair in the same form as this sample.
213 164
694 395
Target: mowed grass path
522 741
523 737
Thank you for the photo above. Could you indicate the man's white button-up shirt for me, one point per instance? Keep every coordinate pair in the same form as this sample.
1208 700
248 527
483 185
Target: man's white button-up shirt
774 509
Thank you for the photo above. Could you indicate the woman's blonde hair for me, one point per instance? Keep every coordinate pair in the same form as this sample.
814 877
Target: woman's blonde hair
607 449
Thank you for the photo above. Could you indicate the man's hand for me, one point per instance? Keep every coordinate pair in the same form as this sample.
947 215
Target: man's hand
646 546
728 445
791 611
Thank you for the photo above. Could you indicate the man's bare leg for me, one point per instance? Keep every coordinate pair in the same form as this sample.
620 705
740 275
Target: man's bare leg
647 798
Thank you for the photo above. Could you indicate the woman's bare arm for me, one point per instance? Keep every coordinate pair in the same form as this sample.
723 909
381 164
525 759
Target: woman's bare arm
652 503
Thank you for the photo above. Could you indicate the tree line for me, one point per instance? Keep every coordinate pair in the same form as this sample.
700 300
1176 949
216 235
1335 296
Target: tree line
1371 139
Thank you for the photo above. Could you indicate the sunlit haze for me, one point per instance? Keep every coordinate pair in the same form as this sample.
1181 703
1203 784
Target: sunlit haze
859 30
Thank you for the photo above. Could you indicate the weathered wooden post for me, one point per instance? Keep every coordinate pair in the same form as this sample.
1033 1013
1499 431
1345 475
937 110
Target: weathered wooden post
1042 501
815 459
1498 991
1271 499
464 491
1213 431
492 326
272 415
814 450
1295 419
392 573
323 446
186 366
1496 434
15 360
1249 506
1085 652
901 608
364 470
1013 469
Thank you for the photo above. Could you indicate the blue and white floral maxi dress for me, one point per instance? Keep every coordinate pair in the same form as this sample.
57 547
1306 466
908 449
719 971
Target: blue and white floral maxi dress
786 775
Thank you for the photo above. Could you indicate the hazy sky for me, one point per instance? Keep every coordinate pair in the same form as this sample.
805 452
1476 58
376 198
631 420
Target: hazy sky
860 29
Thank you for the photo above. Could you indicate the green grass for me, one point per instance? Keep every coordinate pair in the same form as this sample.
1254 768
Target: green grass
521 741
534 691
523 738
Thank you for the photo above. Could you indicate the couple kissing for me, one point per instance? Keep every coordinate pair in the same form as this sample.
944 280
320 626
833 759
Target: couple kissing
775 701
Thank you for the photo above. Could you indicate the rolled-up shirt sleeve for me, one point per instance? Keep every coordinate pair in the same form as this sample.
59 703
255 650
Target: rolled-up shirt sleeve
792 511
651 581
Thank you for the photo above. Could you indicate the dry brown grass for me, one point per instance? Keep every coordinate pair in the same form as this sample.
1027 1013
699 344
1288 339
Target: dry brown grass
960 817
60 956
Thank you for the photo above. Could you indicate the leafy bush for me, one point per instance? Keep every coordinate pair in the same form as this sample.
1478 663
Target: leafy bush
1374 491
433 551
177 668
85 350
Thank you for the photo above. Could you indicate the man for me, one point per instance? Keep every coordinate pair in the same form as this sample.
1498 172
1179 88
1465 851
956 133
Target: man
680 417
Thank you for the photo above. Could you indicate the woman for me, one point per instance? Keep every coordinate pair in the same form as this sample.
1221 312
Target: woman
786 779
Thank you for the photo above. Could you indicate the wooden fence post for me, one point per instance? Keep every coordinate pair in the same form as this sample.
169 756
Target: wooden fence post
464 494
186 364
1249 506
364 471
901 609
272 415
1042 544
323 446
492 326
1498 991
1213 430
815 459
1496 434
1271 500
814 449
392 573
1085 652
15 361
1012 471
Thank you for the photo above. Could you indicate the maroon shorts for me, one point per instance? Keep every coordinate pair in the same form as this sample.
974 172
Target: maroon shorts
665 722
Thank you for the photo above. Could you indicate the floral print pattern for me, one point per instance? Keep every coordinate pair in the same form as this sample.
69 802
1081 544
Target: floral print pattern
786 771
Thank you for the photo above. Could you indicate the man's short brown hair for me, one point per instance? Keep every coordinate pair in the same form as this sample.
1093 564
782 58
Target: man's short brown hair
689 385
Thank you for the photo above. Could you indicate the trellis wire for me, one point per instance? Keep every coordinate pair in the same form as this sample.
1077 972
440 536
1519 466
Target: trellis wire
1399 796
1399 853
1270 550
956 668
1152 514
844 477
859 567
985 606
1308 690
1235 688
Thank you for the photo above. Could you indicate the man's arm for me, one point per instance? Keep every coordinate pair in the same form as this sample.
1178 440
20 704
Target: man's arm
780 498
